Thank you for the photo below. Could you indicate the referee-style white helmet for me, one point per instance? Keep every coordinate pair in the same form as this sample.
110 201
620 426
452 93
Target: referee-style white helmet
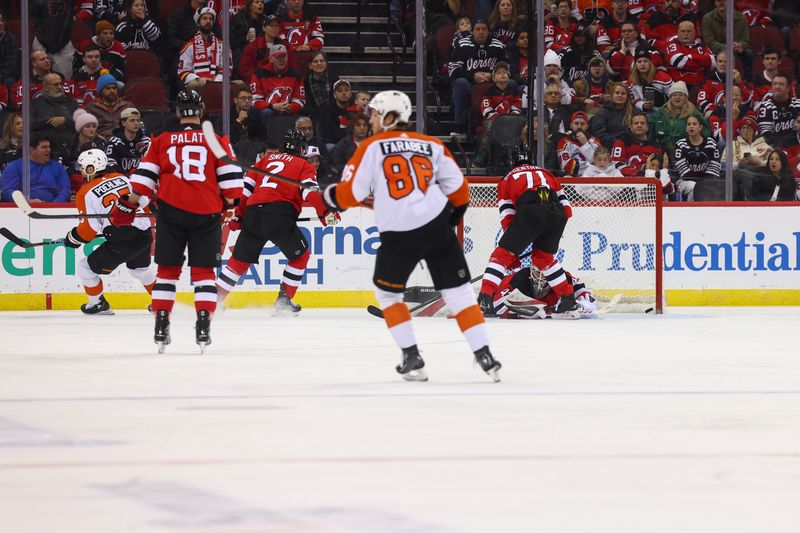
94 158
386 102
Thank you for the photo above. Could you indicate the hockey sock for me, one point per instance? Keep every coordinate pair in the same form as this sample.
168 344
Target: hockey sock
205 291
553 272
397 318
499 263
293 274
229 276
92 284
461 302
165 287
146 275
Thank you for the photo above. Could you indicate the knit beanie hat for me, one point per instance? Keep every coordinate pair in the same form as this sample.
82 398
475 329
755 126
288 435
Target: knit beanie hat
102 26
82 118
104 81
552 58
679 87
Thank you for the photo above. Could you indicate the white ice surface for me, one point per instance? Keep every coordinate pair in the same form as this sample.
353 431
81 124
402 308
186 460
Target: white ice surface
684 423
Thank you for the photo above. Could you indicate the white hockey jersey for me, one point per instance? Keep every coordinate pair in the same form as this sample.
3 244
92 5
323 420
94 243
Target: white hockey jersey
411 176
99 196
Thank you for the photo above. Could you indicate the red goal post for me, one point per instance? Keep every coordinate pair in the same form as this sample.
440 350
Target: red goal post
612 242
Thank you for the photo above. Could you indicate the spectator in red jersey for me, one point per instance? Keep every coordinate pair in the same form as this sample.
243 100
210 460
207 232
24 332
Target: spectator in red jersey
201 58
711 97
756 12
614 119
559 30
335 117
648 85
591 93
500 99
40 67
52 25
621 58
276 88
245 26
503 21
609 29
301 30
112 53
9 55
84 79
713 32
688 59
108 106
663 24
634 149
256 53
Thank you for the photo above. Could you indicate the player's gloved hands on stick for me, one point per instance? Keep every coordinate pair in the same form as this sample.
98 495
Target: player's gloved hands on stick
330 218
329 198
72 240
123 212
457 214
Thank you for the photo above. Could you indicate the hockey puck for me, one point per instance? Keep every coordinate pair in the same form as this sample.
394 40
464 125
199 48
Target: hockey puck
648 310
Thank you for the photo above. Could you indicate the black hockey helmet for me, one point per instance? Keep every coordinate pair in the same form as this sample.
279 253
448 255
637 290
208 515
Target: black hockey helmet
520 155
294 142
189 103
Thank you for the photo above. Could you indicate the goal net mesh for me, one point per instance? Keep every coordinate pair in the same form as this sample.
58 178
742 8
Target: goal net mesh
610 242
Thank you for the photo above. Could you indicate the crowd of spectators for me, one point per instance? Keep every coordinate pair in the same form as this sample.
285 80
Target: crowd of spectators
640 85
85 93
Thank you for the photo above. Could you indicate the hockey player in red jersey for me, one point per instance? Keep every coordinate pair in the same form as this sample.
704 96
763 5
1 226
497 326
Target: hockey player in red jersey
193 188
525 293
268 211
533 211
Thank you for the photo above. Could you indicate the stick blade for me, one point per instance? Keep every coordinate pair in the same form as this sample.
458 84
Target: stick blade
21 202
375 311
5 232
212 142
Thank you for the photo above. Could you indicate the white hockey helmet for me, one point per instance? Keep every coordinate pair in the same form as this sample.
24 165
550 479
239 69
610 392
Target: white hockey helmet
94 158
539 284
386 102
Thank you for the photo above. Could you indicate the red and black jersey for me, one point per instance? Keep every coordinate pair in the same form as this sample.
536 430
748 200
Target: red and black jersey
499 101
556 37
712 94
609 32
660 28
3 96
84 85
303 30
260 189
186 174
520 180
631 155
688 63
111 57
269 87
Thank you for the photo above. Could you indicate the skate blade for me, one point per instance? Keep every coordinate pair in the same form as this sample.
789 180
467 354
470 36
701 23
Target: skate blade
568 315
161 346
494 373
202 346
415 375
108 313
285 313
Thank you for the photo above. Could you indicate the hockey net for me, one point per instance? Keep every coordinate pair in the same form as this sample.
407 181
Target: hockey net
612 242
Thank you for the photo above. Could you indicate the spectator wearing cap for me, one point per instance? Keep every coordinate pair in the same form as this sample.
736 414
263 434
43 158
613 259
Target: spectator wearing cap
335 117
112 53
201 58
713 33
108 106
575 58
318 84
576 148
609 29
245 120
622 56
52 25
559 30
668 123
312 155
49 181
649 86
750 151
128 143
357 132
182 25
301 28
614 119
138 31
687 59
277 89
85 137
256 52
51 113
499 100
553 76
471 62
246 26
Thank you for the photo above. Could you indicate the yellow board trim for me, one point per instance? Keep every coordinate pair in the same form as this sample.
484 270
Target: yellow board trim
732 297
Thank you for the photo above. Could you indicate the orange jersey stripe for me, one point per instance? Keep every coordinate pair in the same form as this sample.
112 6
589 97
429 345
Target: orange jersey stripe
94 291
460 196
397 314
469 317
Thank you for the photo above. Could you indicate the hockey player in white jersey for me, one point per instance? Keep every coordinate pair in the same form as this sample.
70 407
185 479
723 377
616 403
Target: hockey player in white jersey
419 195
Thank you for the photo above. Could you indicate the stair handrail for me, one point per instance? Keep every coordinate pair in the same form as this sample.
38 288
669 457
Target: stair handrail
467 167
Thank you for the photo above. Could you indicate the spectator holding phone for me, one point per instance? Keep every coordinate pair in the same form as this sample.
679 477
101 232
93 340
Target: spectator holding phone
648 85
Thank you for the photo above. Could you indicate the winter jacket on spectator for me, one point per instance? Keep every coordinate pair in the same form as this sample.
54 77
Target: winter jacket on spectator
693 162
713 30
303 30
757 149
9 57
573 156
269 87
135 34
469 57
251 128
49 182
46 107
319 91
631 154
112 57
108 116
593 171
666 127
776 121
341 154
498 101
241 24
608 124
52 23
8 154
689 63
124 154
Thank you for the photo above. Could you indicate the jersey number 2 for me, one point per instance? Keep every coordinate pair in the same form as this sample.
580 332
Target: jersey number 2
192 163
402 175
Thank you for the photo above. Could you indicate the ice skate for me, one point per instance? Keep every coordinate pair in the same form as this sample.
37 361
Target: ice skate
284 306
202 330
488 363
412 366
486 304
161 336
100 308
567 308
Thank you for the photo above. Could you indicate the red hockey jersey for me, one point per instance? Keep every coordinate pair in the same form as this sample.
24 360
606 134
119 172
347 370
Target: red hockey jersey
689 63
497 101
556 37
269 87
186 174
260 189
631 156
520 180
304 30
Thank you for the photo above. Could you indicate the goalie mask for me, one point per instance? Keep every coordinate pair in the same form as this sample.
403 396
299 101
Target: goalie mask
539 286
92 162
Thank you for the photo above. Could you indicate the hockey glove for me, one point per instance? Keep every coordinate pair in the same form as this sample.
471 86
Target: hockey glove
123 212
330 218
73 240
329 198
457 214
568 211
235 224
